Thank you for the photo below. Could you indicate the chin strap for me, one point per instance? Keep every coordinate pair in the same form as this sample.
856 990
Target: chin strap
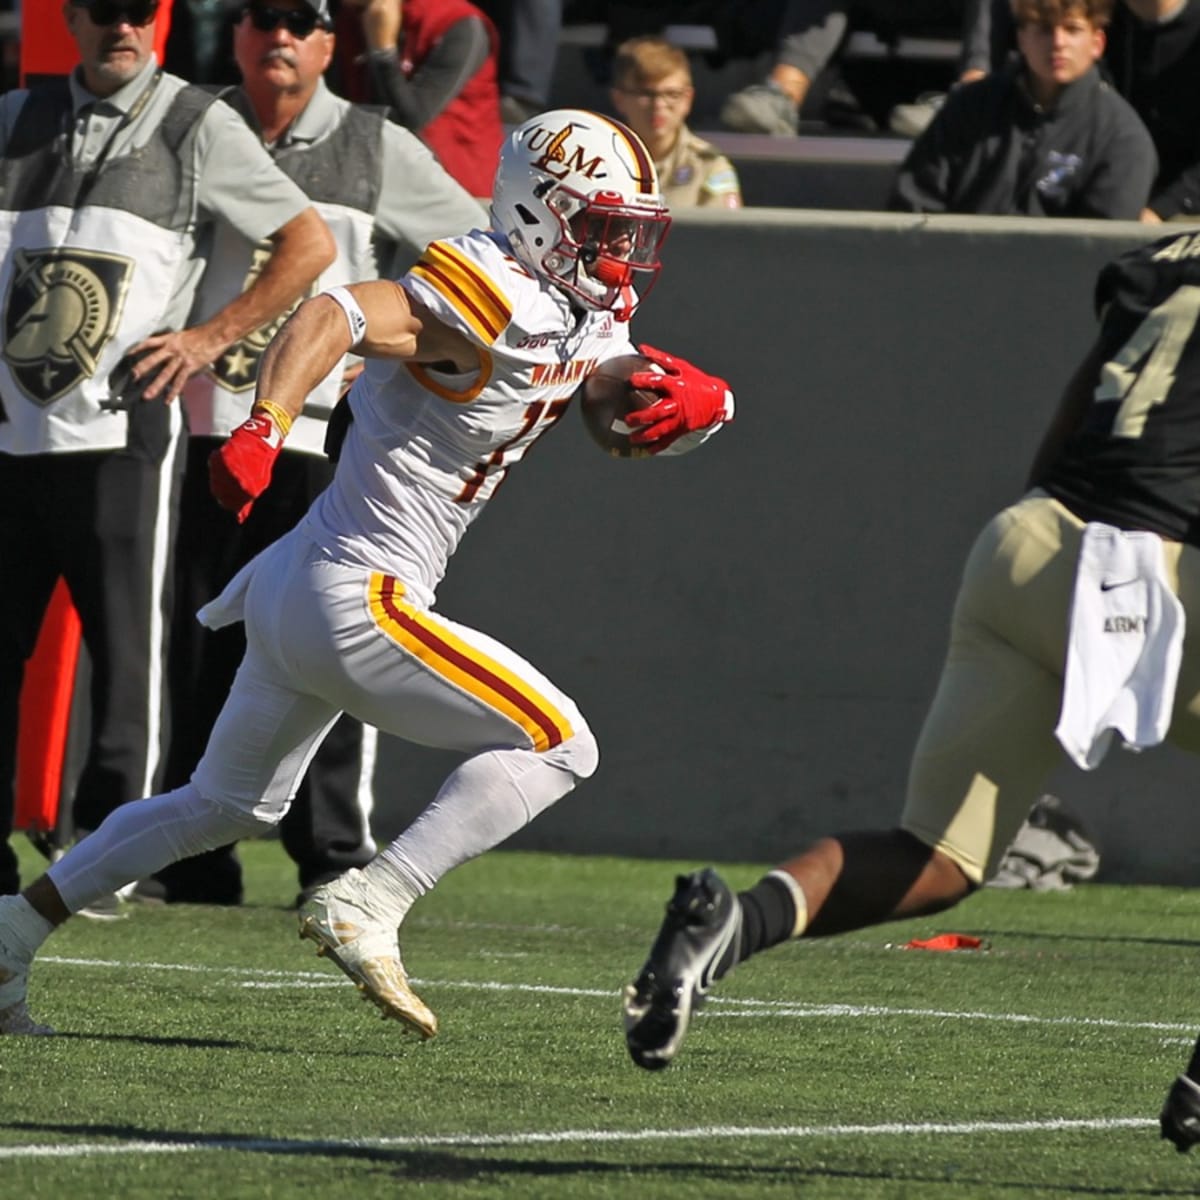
628 304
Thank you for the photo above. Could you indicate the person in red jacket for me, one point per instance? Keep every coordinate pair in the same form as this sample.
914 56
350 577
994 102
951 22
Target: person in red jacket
434 63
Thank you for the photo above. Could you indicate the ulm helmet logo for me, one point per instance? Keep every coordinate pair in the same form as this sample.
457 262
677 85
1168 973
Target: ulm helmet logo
555 160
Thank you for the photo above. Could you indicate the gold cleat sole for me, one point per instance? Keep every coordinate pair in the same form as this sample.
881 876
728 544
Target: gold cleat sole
394 998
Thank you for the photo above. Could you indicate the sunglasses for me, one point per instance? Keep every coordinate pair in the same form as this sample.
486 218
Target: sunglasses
298 22
111 12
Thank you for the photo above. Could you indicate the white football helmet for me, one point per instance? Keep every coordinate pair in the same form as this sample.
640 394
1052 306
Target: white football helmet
576 194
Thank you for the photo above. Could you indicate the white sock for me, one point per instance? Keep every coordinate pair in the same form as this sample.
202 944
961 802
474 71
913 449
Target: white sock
139 838
483 801
798 898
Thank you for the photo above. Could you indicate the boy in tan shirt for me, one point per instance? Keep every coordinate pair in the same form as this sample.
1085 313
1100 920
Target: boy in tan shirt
652 91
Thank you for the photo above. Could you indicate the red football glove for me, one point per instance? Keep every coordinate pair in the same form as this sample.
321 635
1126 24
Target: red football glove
691 401
239 471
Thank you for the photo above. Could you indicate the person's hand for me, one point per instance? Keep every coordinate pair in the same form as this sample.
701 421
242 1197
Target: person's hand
240 470
166 361
1149 217
349 375
691 400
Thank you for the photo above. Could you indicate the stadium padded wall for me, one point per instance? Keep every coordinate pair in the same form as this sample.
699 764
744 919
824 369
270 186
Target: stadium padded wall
754 631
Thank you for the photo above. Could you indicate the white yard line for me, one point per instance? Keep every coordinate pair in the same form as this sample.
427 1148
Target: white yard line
574 1136
716 1006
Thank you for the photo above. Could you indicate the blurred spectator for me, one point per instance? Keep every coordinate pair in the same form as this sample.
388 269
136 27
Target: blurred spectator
652 90
811 35
200 44
1153 59
434 63
988 41
1045 136
529 32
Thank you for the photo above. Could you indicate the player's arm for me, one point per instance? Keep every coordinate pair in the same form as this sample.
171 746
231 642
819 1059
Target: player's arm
376 320
1076 398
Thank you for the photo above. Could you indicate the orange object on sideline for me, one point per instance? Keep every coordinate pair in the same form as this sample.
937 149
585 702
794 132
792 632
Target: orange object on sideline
947 941
46 716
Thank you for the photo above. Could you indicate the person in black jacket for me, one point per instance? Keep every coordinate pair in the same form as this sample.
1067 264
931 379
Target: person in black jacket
1045 136
1153 59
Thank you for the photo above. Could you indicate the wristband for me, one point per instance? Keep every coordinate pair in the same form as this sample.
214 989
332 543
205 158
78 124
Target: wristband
280 416
355 316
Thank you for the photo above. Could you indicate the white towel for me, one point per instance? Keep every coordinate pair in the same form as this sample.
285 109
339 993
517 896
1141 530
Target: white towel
229 606
1123 648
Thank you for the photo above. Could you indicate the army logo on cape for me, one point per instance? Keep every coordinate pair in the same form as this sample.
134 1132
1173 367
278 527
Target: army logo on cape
237 369
62 307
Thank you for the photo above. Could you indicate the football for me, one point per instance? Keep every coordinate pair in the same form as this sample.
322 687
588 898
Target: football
605 397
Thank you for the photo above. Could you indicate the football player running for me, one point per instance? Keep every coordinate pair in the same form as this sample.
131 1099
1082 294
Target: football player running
471 357
1119 459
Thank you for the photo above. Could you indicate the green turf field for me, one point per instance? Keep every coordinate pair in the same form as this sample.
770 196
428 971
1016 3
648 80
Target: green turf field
209 1053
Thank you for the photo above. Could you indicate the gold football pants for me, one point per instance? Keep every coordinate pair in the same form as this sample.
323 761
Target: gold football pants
988 744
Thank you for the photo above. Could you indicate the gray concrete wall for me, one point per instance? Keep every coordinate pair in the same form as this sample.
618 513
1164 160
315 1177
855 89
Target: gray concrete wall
754 631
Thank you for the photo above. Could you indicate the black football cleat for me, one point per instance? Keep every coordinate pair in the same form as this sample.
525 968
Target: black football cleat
1180 1117
699 936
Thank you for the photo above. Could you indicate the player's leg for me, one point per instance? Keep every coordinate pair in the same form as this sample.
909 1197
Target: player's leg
258 751
260 747
327 830
986 745
433 681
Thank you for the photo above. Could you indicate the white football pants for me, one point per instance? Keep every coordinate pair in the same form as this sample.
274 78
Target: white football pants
322 638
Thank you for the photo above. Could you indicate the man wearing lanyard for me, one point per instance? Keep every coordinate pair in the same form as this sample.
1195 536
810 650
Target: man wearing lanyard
110 184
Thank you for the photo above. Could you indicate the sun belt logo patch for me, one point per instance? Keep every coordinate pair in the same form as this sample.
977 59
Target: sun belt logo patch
237 369
63 305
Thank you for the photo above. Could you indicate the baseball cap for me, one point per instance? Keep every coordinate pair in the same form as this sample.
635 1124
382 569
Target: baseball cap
321 8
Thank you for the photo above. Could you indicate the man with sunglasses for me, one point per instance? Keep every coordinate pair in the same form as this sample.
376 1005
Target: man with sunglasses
384 197
111 184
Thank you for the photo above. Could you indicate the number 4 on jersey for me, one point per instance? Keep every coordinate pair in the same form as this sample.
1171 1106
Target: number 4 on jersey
1156 345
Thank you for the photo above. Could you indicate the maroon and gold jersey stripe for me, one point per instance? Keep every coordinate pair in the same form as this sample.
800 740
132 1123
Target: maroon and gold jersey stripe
647 176
471 293
464 665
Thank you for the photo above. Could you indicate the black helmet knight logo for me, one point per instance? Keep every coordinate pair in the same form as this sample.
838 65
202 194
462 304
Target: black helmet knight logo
237 369
63 305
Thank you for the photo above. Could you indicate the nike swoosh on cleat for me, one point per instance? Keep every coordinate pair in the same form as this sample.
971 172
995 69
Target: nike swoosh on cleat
706 976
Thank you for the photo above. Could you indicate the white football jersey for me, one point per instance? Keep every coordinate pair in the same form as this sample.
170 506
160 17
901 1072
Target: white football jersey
427 449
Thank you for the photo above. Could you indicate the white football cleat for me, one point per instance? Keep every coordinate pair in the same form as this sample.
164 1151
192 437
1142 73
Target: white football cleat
14 982
338 918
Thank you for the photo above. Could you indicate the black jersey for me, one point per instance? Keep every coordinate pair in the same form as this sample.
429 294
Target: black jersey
1134 461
